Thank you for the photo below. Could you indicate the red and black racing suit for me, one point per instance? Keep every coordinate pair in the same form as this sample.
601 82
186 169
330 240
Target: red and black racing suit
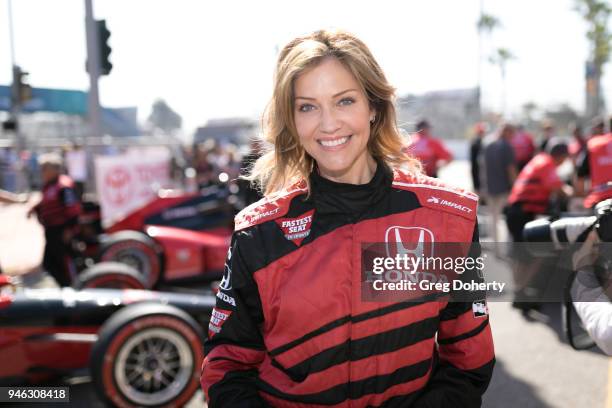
58 212
596 163
290 327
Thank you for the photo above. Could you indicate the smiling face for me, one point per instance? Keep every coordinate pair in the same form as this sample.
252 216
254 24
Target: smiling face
332 118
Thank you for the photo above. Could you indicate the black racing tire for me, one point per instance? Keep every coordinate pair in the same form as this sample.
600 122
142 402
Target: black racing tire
114 275
147 355
135 249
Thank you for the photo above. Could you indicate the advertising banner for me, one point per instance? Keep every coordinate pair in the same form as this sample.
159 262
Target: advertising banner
128 181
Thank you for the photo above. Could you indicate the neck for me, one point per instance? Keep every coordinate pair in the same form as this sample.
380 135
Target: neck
362 176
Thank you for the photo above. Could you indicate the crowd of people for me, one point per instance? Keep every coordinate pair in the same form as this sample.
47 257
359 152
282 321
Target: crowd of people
498 159
518 178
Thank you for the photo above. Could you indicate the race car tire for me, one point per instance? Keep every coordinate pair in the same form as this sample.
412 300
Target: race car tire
135 249
110 275
147 355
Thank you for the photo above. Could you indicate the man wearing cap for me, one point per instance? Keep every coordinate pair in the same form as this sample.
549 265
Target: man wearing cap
58 212
595 164
428 149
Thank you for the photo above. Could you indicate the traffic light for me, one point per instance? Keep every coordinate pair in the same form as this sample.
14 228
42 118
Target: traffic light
105 50
22 91
9 125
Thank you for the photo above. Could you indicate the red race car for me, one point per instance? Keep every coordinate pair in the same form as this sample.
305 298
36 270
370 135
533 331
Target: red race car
142 348
174 238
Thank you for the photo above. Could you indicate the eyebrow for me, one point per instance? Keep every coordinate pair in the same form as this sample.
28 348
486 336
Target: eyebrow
333 96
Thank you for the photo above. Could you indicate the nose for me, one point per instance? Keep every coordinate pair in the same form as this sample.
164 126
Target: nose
330 122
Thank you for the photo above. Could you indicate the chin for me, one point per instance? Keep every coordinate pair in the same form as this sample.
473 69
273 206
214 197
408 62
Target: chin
334 169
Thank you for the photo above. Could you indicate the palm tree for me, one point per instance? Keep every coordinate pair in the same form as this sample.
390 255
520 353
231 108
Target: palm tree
596 13
501 58
485 25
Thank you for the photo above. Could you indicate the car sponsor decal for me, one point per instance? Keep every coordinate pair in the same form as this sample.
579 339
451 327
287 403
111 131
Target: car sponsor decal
296 229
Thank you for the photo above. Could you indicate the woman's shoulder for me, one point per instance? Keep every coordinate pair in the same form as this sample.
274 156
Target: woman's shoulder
270 207
434 193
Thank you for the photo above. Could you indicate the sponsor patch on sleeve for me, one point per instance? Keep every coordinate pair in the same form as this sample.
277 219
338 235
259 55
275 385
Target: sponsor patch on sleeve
217 319
296 229
480 308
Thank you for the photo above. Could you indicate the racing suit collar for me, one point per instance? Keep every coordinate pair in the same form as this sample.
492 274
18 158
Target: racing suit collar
350 199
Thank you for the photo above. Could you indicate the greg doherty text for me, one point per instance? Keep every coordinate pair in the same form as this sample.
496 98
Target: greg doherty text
425 285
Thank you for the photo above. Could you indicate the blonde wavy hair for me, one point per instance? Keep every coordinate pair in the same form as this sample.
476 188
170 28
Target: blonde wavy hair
286 162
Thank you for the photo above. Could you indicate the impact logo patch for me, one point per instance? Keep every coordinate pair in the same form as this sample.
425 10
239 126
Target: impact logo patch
296 229
480 308
217 319
447 203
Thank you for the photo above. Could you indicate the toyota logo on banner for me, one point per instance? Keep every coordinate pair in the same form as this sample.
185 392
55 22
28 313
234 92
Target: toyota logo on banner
118 185
410 241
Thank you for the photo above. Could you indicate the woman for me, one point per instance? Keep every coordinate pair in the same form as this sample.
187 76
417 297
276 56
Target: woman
290 327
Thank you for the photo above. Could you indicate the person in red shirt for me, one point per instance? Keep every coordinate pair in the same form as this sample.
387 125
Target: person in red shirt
428 149
596 165
58 212
531 193
537 182
523 146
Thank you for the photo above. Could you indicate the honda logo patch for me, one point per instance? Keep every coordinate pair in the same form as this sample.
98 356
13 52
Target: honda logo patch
414 241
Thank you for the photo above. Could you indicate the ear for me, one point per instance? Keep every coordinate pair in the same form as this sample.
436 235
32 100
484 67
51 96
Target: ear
372 115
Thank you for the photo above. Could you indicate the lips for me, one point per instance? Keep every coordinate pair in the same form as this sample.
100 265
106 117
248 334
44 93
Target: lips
334 142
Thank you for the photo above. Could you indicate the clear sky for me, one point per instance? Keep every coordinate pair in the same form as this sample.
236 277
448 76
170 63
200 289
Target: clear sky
211 59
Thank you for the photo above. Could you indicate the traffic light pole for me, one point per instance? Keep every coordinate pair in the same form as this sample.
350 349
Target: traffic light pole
93 67
15 88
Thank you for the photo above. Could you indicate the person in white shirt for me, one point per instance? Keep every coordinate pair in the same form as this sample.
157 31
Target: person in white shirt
591 293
